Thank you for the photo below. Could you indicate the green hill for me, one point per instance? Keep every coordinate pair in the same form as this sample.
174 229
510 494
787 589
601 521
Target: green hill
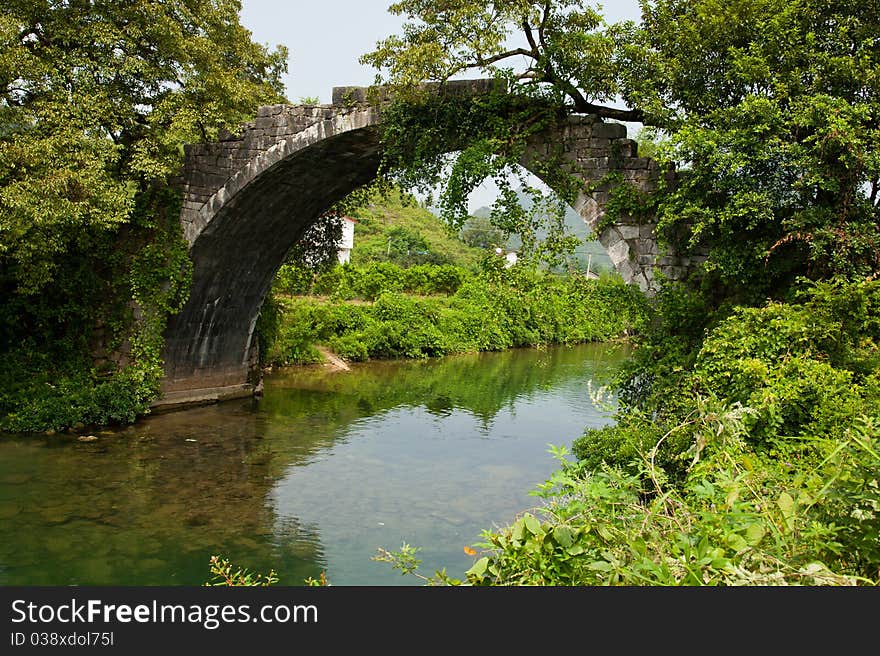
588 251
398 229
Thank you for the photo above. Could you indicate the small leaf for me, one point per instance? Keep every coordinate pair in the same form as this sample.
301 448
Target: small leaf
720 563
600 566
563 535
479 568
786 504
575 550
754 534
532 524
732 496
737 542
603 531
517 531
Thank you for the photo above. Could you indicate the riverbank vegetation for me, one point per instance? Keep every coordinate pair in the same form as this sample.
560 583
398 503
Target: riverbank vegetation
753 461
384 311
415 288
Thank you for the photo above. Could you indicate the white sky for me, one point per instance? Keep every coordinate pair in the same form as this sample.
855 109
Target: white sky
326 38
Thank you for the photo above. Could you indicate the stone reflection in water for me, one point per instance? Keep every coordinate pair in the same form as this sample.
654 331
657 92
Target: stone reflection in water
147 505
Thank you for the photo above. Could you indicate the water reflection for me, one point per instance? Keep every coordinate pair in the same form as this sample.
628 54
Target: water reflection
314 477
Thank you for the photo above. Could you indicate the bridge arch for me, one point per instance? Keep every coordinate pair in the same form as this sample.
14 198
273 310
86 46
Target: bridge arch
250 197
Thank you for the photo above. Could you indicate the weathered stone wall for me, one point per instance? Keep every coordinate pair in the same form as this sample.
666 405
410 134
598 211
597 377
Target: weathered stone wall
601 155
215 172
250 197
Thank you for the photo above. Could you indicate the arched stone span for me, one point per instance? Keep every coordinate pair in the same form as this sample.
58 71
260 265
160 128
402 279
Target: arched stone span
250 197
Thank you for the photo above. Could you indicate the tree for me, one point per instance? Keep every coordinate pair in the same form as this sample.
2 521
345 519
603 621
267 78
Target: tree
479 232
771 110
569 50
96 102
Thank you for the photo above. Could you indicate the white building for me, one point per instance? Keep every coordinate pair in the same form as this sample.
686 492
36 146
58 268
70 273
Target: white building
510 257
346 243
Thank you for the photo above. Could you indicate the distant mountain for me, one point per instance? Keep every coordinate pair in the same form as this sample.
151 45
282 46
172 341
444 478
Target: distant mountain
589 251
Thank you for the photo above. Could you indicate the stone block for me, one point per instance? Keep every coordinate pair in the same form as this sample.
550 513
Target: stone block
626 270
270 110
583 119
629 231
263 123
618 251
625 147
349 95
609 131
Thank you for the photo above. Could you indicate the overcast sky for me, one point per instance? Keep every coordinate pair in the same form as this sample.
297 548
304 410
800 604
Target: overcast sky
326 37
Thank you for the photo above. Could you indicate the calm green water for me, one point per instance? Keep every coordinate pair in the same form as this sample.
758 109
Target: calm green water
315 476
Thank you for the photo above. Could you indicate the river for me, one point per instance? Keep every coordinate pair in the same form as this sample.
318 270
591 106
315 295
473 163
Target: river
314 477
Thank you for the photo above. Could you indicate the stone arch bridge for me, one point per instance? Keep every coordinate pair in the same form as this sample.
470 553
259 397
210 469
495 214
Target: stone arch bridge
249 197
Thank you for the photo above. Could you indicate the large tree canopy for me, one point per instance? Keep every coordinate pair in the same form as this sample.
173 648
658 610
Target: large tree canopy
771 108
96 101
563 47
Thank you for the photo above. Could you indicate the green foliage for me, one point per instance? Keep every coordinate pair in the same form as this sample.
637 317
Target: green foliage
737 518
489 134
569 50
765 470
368 282
429 311
772 126
573 63
804 369
480 233
53 381
224 573
392 226
316 250
96 104
767 111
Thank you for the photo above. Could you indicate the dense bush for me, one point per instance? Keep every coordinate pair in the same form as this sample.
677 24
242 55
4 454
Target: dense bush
804 368
371 280
77 398
737 518
765 470
498 309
